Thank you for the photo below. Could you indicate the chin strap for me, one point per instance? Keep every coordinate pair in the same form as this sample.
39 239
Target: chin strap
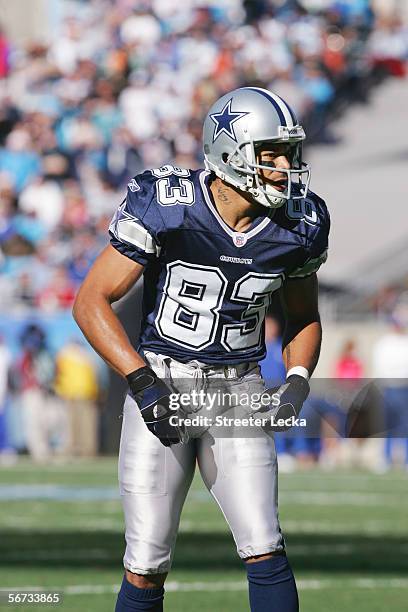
272 201
265 199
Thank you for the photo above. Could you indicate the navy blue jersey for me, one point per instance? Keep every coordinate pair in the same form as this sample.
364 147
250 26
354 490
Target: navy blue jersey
207 287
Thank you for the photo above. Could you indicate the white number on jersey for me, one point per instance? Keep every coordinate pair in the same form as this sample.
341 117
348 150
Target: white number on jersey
256 290
192 299
189 310
170 195
302 209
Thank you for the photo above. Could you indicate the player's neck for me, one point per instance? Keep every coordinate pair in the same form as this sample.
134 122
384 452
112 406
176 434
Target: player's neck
235 209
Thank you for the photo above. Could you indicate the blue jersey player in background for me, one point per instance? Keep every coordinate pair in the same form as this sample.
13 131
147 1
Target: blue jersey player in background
213 245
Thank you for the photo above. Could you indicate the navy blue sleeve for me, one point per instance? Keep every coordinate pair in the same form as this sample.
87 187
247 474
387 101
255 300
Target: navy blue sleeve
137 227
318 243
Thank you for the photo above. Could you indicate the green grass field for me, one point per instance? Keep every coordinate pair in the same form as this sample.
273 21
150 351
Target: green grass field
346 532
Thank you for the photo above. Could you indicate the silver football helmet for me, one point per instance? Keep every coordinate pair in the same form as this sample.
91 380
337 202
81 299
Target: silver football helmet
236 126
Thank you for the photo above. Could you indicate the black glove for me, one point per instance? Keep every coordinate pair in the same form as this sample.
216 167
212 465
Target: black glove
291 396
152 397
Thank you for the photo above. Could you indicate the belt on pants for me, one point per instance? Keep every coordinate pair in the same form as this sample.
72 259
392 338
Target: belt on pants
192 368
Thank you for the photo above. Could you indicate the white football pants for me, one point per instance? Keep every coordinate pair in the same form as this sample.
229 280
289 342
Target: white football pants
240 474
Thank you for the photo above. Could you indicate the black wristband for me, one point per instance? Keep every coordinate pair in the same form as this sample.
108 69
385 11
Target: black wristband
140 379
301 384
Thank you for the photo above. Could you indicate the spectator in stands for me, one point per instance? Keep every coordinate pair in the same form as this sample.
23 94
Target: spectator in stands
388 45
44 200
336 451
390 366
77 386
59 293
19 159
43 416
348 364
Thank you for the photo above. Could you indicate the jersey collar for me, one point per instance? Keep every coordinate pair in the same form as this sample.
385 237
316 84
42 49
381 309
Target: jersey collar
238 238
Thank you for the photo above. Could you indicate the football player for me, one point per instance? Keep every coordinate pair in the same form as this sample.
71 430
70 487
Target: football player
214 245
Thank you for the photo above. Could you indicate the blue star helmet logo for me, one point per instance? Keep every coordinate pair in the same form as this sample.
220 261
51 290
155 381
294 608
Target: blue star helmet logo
224 121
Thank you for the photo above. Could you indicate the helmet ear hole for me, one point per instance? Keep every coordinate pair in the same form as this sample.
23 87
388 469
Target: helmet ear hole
237 160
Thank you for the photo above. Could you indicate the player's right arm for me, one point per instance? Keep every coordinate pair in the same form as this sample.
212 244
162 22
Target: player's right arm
133 244
110 278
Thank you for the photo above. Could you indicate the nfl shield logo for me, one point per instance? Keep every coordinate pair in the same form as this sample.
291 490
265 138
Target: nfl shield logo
239 240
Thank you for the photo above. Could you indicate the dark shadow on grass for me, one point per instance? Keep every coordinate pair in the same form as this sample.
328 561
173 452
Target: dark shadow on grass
206 552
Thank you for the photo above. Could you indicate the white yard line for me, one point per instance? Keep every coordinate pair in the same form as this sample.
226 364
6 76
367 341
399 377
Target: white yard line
238 585
110 495
25 524
362 527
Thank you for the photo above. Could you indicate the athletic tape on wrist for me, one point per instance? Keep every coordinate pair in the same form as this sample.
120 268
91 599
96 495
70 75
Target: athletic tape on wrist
299 370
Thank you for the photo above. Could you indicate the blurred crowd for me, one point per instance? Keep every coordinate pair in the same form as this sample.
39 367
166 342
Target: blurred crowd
124 85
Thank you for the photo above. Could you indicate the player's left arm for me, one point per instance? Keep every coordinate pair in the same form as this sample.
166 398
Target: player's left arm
302 336
303 331
301 348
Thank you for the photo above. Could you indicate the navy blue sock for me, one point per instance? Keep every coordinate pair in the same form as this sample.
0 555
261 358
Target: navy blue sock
272 586
132 599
